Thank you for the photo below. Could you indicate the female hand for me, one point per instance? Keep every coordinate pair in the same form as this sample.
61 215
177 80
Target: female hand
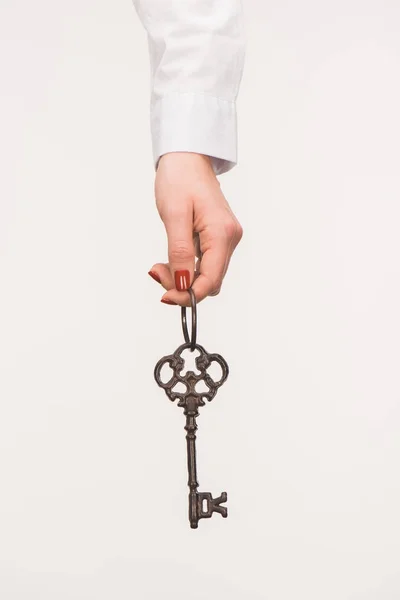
189 200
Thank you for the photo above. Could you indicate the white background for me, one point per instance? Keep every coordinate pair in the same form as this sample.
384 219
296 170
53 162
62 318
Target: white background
304 436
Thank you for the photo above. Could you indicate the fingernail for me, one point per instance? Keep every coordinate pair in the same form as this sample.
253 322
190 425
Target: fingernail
155 276
166 301
182 280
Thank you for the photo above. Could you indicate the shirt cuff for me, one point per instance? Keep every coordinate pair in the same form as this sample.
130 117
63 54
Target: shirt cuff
188 122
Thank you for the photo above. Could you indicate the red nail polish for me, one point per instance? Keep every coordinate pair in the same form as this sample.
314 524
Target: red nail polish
182 280
166 301
155 276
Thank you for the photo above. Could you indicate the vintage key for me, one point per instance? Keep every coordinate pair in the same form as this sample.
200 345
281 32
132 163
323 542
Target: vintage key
190 401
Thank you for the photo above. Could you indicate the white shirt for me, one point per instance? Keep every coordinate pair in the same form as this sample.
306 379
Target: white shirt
196 56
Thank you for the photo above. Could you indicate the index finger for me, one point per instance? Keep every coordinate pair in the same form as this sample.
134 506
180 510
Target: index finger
212 269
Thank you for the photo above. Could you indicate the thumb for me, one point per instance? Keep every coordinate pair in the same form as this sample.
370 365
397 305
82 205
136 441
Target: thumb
181 250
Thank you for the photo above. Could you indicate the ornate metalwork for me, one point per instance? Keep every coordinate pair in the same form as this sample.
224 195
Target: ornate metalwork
191 400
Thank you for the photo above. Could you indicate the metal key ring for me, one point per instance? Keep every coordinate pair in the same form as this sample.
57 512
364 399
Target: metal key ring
194 321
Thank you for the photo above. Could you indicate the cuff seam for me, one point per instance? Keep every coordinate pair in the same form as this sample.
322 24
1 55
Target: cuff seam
195 122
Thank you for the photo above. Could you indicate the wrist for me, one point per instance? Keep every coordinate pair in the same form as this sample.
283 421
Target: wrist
186 160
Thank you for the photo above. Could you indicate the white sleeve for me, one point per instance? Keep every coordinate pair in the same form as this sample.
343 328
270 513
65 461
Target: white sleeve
196 57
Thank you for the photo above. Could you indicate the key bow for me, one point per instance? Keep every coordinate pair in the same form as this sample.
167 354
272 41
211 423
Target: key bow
191 399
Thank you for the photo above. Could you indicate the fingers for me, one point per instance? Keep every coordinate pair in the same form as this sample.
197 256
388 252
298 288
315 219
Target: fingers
214 263
181 250
161 273
218 247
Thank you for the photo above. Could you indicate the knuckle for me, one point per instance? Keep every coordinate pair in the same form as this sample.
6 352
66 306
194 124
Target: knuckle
230 228
239 232
233 230
215 285
181 251
215 292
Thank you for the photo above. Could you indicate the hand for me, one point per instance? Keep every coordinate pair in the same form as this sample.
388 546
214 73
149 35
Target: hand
189 199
